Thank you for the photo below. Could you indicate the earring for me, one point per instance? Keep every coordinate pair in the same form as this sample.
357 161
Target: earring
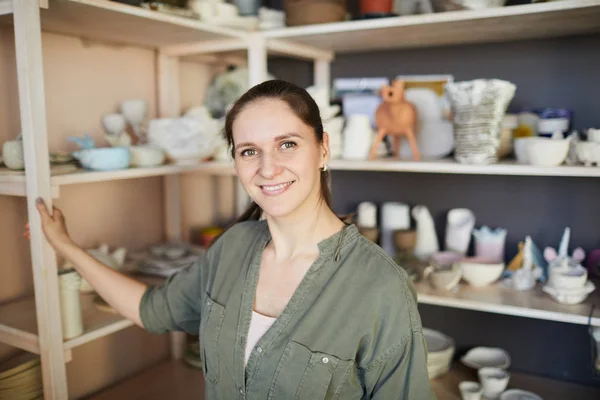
324 167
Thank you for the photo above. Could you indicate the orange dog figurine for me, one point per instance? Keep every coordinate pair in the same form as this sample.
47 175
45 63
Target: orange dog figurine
396 117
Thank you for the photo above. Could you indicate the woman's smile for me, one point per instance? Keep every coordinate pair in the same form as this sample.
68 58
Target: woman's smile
277 189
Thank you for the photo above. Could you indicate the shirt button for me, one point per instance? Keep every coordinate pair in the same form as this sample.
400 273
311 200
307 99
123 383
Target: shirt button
242 392
325 360
259 349
208 302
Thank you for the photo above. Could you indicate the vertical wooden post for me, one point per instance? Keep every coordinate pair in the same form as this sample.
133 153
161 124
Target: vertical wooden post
257 73
30 75
322 75
169 107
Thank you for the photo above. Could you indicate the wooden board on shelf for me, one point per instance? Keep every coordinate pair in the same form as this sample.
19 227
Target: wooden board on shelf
499 24
18 326
110 21
449 166
503 300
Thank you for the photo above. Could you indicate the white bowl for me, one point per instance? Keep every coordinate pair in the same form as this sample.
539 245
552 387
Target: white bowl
588 153
521 149
493 381
470 390
481 4
482 357
573 278
479 272
547 152
146 156
570 296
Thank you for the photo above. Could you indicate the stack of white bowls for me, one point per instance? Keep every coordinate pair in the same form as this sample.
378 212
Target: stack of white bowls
21 378
440 350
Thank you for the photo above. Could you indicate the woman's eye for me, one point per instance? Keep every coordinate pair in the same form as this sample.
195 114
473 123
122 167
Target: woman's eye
248 152
288 145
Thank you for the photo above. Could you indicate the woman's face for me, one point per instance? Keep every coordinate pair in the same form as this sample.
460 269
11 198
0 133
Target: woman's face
277 157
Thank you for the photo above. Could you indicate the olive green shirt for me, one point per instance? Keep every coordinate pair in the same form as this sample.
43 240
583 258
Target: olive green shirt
350 331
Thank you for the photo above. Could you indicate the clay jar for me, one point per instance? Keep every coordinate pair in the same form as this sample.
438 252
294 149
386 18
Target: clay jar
405 240
375 7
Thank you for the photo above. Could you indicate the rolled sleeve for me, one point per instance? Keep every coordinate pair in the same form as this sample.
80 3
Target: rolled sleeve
175 305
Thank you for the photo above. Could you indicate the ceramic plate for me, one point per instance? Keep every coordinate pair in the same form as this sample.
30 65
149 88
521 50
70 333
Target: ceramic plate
480 357
437 341
517 394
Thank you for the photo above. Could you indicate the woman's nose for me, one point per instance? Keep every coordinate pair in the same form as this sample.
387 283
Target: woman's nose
270 167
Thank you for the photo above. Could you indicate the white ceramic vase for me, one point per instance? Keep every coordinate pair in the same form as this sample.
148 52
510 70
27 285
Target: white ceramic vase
69 282
460 223
367 215
489 243
358 136
427 242
394 216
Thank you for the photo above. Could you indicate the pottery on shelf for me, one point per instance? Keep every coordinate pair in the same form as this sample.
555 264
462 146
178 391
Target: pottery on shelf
405 240
493 381
547 152
427 242
367 215
114 260
443 279
489 243
460 223
358 136
146 156
480 272
528 274
69 282
445 258
518 394
114 124
394 216
470 390
135 111
480 357
12 154
588 153
440 350
104 159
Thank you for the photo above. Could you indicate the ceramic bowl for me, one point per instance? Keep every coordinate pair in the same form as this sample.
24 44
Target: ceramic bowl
570 296
104 159
546 152
12 154
445 258
574 278
518 394
146 156
481 4
470 390
521 150
443 279
480 272
481 357
493 381
588 153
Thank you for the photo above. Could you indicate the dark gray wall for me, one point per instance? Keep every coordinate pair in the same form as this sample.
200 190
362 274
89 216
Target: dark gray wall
548 73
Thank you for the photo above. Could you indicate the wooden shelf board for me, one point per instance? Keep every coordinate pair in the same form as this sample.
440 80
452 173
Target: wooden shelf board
449 166
446 386
502 300
18 325
174 379
500 24
109 21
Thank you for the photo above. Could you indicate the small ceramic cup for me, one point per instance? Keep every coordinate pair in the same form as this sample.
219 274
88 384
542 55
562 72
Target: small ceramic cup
493 381
12 154
470 390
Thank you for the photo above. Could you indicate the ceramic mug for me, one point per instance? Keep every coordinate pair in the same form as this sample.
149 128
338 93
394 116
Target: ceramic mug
12 154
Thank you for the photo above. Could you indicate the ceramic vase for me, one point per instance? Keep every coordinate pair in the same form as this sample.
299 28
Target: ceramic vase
367 215
12 154
489 243
358 136
427 242
69 282
394 216
460 223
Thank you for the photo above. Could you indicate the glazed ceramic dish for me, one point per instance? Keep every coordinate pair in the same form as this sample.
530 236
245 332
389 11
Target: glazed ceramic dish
518 394
440 350
481 357
479 272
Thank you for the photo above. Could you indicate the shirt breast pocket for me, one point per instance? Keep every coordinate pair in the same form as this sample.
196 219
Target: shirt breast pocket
303 374
210 329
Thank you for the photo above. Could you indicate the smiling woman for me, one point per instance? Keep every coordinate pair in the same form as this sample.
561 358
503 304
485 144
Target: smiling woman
296 305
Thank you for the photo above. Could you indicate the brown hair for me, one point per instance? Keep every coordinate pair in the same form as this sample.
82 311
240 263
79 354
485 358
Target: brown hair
301 103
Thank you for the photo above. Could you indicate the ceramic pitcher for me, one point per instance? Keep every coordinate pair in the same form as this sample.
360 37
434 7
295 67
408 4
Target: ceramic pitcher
427 242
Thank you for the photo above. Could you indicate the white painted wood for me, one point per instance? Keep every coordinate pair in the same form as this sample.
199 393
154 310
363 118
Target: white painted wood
19 339
497 24
502 300
110 21
449 166
322 75
257 59
98 333
6 7
205 47
298 50
30 76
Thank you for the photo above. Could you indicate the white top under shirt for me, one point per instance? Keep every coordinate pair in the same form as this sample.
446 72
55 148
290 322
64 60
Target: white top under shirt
259 324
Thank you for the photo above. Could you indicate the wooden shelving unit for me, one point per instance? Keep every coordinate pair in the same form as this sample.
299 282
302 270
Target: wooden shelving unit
499 299
33 323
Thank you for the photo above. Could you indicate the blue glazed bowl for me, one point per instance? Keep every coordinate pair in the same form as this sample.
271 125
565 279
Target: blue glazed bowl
104 159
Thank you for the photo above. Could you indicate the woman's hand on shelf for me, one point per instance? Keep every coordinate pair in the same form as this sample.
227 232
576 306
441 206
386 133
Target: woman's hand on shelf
54 227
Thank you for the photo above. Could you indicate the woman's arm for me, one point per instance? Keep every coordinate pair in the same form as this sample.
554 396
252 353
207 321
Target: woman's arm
117 289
